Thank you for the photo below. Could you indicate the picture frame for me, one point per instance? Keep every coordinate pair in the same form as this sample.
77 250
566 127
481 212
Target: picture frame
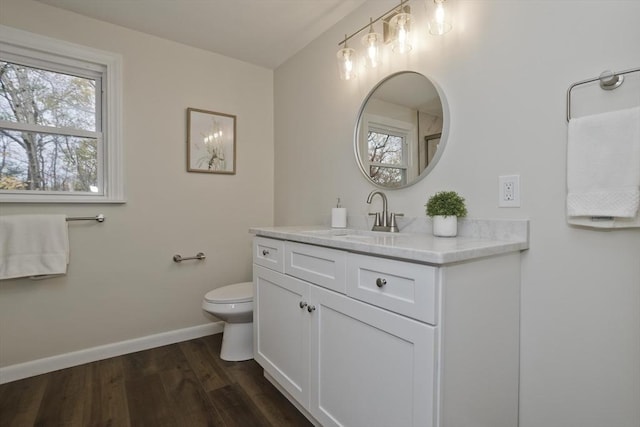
211 142
427 150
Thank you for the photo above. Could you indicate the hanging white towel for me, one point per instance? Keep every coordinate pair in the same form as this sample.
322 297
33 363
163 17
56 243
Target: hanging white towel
33 245
603 165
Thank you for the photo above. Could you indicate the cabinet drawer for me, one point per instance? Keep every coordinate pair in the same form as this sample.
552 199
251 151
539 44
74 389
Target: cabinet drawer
402 287
321 266
269 253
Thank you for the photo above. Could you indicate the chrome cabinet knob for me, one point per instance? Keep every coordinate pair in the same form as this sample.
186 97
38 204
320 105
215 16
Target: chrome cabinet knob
311 308
303 304
380 282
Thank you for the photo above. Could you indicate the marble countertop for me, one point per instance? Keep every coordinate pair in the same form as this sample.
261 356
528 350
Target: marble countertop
478 239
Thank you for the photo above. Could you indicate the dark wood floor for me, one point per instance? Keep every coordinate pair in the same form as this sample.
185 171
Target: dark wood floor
184 384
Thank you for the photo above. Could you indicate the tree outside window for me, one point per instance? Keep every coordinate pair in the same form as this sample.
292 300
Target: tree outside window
49 130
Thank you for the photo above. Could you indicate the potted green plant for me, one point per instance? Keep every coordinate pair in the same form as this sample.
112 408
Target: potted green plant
445 207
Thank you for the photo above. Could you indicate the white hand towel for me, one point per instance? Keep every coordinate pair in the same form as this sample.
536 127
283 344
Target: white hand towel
603 165
33 245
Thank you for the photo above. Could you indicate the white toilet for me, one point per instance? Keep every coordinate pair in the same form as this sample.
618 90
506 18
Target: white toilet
234 305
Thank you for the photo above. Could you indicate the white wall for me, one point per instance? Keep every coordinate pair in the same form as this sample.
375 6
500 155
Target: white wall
122 282
505 69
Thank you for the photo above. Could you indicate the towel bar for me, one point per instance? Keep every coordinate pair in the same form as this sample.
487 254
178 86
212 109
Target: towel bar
609 80
199 256
98 218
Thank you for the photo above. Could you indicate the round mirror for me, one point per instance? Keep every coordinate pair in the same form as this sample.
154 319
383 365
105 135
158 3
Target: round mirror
401 131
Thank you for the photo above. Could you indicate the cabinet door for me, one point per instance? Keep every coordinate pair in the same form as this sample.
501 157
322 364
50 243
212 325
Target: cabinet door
369 367
281 330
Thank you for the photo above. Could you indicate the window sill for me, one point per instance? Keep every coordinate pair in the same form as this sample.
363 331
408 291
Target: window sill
44 198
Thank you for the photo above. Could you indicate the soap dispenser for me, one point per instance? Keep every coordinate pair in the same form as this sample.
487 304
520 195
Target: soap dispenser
338 216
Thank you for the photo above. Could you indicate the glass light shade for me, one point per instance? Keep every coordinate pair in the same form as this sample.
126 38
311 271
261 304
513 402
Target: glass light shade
346 63
440 23
401 24
372 42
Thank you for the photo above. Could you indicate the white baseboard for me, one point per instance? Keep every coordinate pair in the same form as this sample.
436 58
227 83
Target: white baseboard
67 360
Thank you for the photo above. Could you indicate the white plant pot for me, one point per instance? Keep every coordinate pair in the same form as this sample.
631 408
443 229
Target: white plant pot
445 226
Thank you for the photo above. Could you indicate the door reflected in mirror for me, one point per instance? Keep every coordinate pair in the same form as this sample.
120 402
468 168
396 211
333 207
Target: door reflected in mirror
401 130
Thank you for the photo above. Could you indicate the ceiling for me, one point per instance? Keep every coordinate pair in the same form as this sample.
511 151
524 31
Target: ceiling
261 32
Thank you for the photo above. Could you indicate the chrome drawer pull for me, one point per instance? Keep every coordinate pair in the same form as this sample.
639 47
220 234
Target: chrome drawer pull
380 282
303 304
265 252
311 308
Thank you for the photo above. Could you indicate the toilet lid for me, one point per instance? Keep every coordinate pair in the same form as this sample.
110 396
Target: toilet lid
238 292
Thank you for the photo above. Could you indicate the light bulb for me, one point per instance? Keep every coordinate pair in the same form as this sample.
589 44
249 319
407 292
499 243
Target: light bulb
440 24
372 42
346 63
402 24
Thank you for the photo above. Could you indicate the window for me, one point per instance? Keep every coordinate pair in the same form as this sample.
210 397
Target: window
387 146
60 138
387 157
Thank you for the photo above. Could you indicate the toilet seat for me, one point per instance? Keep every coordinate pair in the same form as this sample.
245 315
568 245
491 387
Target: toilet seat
231 294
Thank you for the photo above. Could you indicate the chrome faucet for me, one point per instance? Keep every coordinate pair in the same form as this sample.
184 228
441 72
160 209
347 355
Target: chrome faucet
383 222
377 225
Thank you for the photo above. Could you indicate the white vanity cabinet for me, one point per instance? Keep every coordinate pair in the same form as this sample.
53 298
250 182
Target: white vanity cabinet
360 340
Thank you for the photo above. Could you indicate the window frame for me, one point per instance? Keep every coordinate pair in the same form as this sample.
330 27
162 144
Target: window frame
38 49
389 126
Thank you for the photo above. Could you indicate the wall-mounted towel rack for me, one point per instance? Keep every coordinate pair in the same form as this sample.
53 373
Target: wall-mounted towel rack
98 218
609 80
179 258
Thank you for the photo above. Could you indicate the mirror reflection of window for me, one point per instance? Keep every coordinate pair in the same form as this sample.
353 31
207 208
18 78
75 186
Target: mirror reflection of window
388 177
387 157
386 148
387 143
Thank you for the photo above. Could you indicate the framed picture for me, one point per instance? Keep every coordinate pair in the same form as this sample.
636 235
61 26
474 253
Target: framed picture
211 142
426 156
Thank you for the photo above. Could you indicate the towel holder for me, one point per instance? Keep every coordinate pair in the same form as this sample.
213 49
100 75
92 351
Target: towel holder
609 80
98 218
179 258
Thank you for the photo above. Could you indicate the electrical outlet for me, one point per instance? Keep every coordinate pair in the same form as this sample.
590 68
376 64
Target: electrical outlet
509 191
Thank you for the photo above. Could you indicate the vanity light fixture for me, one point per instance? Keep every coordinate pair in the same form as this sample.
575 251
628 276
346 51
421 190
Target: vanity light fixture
346 56
397 27
440 21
